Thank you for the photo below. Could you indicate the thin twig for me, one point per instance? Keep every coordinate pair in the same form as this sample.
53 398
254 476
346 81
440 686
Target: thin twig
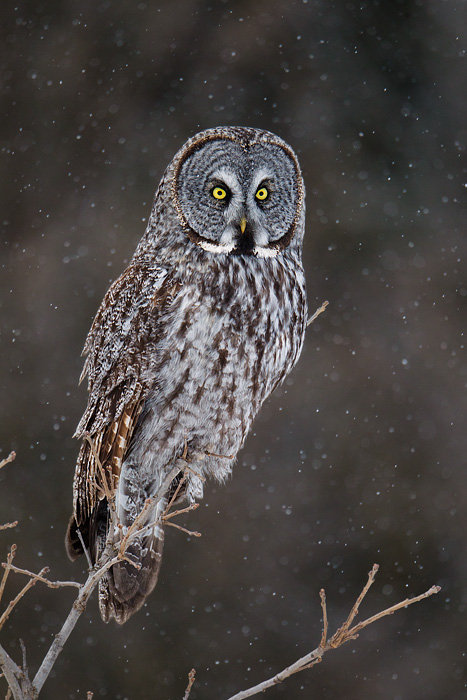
38 577
23 654
15 601
324 635
176 492
77 609
192 533
185 448
166 519
8 565
344 634
338 637
85 548
353 631
187 468
8 459
191 680
317 313
213 454
192 506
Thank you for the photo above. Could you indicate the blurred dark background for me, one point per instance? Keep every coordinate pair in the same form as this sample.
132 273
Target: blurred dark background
360 456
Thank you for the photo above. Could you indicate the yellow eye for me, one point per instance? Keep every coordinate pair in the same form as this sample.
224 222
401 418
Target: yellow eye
262 194
219 193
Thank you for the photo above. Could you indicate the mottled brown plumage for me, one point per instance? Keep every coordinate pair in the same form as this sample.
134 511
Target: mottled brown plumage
200 328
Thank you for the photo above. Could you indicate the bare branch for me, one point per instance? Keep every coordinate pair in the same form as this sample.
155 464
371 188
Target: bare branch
8 565
340 636
172 500
12 674
8 459
21 687
324 635
76 611
352 633
3 462
107 560
187 468
23 654
85 548
38 577
213 454
344 634
317 313
192 533
191 680
15 601
192 506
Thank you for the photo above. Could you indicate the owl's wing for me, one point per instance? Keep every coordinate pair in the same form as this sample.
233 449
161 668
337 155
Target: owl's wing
118 350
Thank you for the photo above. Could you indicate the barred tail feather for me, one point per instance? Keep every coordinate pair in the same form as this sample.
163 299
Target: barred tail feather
124 589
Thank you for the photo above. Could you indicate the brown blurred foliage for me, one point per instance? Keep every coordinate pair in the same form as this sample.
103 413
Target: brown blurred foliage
360 456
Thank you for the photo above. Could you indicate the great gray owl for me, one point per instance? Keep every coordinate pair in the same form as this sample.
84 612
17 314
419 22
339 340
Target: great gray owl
205 322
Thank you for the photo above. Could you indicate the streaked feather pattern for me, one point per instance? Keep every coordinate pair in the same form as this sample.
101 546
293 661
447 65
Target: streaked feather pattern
195 334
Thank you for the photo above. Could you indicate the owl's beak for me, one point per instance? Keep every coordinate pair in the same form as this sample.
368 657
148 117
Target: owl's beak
243 224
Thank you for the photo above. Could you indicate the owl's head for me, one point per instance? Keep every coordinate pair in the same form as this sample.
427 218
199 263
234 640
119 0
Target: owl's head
239 191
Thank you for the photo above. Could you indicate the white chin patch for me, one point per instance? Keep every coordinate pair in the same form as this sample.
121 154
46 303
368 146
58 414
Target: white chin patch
264 252
259 251
216 247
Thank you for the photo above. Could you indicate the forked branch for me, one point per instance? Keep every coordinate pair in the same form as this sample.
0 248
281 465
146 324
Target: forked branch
22 688
345 633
